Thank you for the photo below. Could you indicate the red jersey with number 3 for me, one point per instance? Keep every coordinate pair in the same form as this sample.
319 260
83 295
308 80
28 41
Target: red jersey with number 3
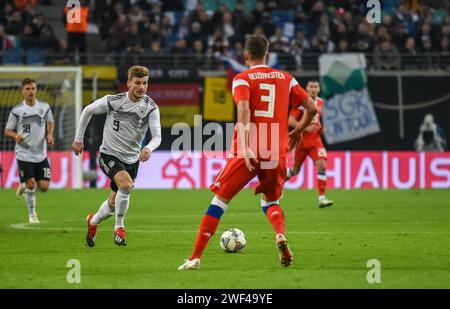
270 93
310 139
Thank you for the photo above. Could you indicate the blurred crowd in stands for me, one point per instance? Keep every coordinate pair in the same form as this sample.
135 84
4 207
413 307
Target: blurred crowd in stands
413 34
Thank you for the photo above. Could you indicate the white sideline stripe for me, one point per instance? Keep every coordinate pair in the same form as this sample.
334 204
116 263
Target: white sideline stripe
29 226
292 84
239 82
253 213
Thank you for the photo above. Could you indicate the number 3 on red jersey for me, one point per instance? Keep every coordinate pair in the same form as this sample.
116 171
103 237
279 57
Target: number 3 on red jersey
270 99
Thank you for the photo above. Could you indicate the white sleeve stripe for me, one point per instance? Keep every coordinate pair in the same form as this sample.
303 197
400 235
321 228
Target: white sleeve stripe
294 83
239 82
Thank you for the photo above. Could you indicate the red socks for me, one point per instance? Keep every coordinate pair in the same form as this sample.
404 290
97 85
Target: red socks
321 184
276 218
207 228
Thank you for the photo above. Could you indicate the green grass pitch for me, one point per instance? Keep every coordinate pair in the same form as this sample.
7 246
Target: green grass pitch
407 231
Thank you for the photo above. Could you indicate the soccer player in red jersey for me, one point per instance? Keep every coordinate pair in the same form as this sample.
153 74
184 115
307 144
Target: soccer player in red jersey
261 141
311 143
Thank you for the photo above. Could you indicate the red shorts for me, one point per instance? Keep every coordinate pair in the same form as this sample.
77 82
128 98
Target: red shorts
235 175
316 152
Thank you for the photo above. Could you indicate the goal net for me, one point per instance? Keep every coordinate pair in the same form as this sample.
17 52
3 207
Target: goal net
61 88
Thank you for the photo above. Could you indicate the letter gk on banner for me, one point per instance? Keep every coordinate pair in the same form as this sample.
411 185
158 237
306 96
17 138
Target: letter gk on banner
348 116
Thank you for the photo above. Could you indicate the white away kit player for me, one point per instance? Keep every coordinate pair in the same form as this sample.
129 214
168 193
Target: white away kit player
129 116
31 124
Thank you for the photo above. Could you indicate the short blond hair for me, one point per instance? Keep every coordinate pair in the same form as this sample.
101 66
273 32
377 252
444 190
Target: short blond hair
138 71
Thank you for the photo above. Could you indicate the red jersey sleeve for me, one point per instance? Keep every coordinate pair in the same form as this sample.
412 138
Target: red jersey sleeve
297 95
241 88
297 113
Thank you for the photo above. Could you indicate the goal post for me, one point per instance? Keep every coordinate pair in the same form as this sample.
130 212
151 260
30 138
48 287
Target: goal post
62 88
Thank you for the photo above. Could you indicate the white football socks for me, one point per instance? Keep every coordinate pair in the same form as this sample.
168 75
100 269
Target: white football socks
122 203
103 213
30 200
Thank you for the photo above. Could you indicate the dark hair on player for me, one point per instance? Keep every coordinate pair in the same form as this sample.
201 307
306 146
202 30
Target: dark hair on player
257 46
313 81
27 81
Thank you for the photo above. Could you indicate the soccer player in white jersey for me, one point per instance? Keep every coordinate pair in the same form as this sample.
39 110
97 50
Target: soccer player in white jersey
129 116
30 124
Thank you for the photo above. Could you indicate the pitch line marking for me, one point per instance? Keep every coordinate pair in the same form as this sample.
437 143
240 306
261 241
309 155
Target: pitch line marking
29 226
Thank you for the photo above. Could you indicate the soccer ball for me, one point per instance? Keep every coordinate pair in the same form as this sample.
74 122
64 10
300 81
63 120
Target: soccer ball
233 240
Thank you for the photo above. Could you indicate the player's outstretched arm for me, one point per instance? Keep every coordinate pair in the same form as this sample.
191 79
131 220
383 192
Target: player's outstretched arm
309 113
155 129
98 107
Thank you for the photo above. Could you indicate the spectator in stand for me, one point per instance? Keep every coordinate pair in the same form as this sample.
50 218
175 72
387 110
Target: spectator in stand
267 25
388 24
195 14
363 41
61 54
339 32
321 26
427 45
135 15
15 24
279 41
217 17
180 48
386 56
381 33
20 5
425 31
427 63
76 31
27 38
444 56
196 34
324 27
156 48
200 60
153 34
444 48
206 24
5 13
258 12
343 46
166 26
217 44
409 59
445 32
28 14
183 29
314 17
119 34
243 21
133 36
5 41
301 41
410 46
400 35
228 25
322 45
